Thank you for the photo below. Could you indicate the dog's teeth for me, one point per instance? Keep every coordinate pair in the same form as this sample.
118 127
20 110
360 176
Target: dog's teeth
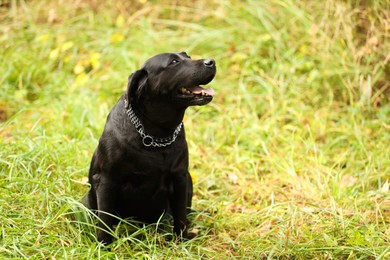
184 91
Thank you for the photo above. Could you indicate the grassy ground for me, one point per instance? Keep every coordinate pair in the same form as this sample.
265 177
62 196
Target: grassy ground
292 157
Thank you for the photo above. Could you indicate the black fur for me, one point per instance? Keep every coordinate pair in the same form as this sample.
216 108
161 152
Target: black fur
129 179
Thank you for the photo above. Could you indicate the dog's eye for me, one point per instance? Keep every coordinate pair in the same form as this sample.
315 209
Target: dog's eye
174 61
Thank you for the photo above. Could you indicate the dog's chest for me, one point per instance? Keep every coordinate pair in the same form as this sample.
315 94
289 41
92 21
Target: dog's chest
151 171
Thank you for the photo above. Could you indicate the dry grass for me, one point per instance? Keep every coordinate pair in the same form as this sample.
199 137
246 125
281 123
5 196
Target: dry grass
291 158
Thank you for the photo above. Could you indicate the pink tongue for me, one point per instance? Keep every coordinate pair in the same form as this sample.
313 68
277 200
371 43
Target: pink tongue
198 90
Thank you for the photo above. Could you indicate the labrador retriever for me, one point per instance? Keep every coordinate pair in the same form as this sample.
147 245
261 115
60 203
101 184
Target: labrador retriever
140 167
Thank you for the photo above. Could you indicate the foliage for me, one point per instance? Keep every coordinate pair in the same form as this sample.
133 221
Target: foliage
291 159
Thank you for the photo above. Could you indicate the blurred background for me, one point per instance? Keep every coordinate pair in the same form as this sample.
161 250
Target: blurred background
292 154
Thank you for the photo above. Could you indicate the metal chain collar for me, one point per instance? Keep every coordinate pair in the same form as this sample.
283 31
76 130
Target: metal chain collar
149 140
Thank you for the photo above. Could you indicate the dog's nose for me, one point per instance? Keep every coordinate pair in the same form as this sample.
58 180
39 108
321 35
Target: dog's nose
209 63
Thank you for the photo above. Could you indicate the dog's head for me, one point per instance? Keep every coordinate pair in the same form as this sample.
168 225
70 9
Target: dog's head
174 78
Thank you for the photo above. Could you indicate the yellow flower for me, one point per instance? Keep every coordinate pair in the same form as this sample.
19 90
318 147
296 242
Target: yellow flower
81 79
194 177
62 48
78 69
66 46
117 37
94 59
53 55
303 49
67 58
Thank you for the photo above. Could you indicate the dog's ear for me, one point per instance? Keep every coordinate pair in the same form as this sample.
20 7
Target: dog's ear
135 83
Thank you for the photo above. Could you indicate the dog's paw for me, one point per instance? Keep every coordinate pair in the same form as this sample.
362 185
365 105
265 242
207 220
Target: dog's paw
104 238
193 233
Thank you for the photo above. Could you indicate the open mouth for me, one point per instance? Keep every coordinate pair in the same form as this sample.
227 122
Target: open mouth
197 91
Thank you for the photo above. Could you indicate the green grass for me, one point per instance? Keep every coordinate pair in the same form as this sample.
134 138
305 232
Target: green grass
292 156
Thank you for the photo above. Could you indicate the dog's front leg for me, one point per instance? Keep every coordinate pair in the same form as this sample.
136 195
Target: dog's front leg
179 204
106 200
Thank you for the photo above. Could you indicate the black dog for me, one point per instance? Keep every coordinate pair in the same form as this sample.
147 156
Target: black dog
140 167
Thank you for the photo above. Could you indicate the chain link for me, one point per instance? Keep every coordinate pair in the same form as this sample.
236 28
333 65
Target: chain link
149 140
